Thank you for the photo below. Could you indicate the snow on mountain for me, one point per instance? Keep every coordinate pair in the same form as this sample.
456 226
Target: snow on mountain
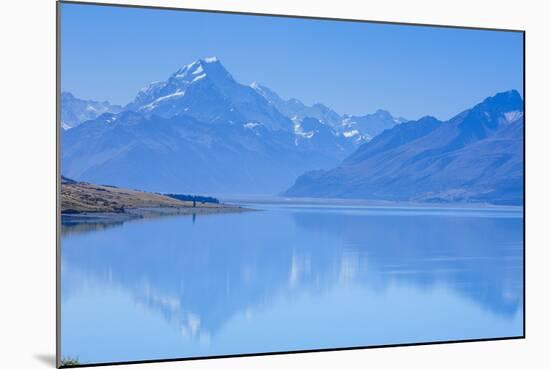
294 108
200 131
512 116
75 111
358 129
206 91
477 156
181 154
364 128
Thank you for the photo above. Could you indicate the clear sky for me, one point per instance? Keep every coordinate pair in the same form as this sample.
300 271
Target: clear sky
109 53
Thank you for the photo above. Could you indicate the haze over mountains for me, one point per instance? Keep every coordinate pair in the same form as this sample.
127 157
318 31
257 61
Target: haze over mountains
357 128
75 111
477 156
200 131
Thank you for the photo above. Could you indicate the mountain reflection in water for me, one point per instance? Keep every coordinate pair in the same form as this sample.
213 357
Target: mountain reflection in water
291 278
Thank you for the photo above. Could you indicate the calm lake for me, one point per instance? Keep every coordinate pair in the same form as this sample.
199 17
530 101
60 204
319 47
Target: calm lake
290 277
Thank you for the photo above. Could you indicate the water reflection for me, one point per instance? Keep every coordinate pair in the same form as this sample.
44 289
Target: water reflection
69 227
478 255
291 278
82 224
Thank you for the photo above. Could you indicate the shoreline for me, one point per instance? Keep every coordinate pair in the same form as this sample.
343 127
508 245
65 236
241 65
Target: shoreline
152 212
380 204
83 202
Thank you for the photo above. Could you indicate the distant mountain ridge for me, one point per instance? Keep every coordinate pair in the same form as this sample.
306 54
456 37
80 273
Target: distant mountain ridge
477 156
365 128
294 108
358 129
206 91
75 111
182 154
200 131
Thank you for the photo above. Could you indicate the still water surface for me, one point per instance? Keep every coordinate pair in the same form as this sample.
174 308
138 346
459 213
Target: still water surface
289 278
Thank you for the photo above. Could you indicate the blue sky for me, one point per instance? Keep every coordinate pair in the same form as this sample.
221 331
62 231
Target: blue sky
109 53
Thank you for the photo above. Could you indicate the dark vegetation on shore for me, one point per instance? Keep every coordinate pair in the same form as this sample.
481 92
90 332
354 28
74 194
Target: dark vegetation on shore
201 199
80 198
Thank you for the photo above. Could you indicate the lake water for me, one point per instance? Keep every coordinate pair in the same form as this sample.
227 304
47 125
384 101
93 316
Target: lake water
289 278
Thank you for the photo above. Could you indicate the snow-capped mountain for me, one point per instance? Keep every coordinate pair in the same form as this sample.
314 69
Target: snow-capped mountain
364 128
356 129
296 110
75 111
200 131
206 91
477 156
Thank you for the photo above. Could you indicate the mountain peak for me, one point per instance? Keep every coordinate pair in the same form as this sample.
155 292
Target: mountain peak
209 66
381 113
503 102
208 69
66 94
75 110
321 106
512 95
211 59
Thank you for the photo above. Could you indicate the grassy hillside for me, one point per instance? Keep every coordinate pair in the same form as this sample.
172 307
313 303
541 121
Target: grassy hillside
80 197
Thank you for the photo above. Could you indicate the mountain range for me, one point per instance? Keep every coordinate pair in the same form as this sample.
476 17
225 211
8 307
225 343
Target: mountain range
358 129
75 111
477 156
201 131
